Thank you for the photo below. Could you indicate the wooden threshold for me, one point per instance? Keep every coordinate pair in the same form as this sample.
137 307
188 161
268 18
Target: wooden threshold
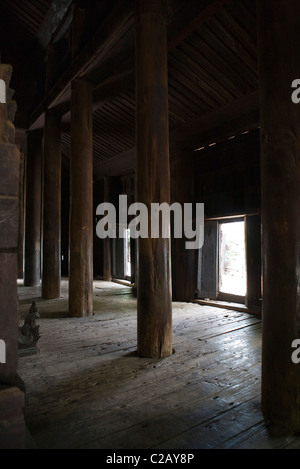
229 305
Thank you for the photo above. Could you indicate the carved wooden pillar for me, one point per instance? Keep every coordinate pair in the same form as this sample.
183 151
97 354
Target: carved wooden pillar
32 271
51 275
279 65
153 179
81 204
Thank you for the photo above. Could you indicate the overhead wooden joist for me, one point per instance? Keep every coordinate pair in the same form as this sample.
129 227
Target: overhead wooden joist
92 65
240 116
103 41
198 14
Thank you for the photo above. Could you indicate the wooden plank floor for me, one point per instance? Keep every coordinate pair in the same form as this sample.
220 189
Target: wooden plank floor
88 389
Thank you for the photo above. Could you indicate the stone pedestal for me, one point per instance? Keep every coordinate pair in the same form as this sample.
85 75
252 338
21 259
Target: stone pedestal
12 425
12 428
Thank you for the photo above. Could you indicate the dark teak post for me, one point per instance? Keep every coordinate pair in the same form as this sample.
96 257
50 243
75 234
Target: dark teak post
279 43
185 278
51 275
154 300
107 273
32 271
81 203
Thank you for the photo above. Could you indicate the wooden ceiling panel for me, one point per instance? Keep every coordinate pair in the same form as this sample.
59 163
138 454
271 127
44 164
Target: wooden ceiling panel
28 14
212 62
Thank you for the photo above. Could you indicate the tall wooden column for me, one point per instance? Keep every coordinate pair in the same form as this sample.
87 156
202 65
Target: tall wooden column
107 273
185 278
154 300
21 235
253 260
279 24
81 203
32 271
51 275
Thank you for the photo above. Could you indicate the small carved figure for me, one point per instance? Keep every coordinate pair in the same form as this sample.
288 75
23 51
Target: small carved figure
29 333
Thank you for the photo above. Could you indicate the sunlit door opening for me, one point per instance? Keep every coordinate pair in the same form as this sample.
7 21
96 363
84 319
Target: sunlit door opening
232 261
127 262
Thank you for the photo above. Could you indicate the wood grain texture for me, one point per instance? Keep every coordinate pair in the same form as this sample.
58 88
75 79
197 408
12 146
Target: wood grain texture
81 202
32 274
153 180
52 206
280 176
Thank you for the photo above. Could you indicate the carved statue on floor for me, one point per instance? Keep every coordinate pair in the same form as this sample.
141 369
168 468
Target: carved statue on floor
29 333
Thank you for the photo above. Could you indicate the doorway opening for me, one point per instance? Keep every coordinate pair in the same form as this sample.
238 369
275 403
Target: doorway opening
127 255
232 260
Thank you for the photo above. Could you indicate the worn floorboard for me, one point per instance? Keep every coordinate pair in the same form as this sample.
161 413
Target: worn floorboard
88 389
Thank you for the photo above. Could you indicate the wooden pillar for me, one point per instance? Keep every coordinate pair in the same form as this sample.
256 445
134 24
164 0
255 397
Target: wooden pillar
279 65
107 258
253 260
185 278
21 217
51 275
81 203
32 271
154 300
78 25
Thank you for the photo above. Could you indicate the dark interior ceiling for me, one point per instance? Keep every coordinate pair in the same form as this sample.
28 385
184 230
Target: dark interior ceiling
212 59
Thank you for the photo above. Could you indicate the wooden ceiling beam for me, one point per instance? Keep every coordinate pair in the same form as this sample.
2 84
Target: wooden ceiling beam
97 49
238 116
106 91
59 96
198 18
241 115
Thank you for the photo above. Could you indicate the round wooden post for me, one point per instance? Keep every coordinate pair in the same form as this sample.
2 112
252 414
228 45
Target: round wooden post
32 271
279 24
51 275
185 275
81 203
107 271
154 300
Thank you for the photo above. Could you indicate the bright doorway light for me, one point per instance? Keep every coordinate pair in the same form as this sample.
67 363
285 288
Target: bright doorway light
127 254
232 263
